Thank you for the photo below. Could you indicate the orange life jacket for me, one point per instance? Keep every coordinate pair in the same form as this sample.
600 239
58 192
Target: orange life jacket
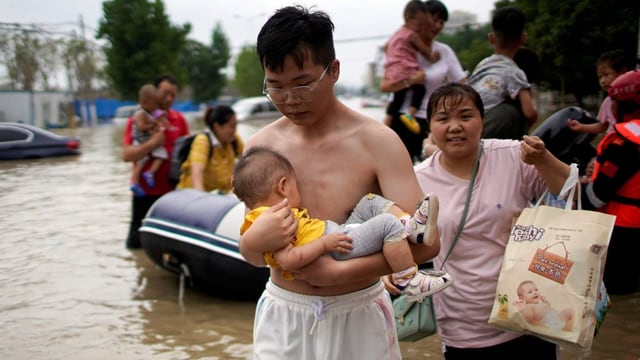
626 203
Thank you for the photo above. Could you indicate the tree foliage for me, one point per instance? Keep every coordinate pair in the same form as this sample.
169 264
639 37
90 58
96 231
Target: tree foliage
249 75
570 35
79 60
205 64
470 45
30 58
142 43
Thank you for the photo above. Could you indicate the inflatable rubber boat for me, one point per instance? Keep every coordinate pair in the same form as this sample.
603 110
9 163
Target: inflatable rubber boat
567 145
195 234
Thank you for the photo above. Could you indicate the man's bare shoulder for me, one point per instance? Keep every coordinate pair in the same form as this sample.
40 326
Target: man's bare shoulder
268 134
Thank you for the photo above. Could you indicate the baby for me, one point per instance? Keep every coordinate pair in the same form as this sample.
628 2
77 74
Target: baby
263 178
536 309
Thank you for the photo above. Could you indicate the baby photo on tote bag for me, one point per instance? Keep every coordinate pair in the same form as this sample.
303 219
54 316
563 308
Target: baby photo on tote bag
550 282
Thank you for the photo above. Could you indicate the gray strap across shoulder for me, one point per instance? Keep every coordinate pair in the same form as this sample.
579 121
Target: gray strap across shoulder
476 165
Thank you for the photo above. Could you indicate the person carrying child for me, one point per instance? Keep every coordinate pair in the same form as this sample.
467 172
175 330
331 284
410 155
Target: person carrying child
610 66
263 178
614 187
402 64
145 122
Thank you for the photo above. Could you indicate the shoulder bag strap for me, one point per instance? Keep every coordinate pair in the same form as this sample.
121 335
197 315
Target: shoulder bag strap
465 212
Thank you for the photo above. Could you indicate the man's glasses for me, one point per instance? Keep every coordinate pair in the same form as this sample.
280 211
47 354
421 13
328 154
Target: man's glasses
299 93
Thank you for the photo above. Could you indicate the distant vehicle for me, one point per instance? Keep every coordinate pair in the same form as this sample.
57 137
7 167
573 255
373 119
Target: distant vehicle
123 113
255 108
21 141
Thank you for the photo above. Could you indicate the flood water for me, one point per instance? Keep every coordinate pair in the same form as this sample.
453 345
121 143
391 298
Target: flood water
70 290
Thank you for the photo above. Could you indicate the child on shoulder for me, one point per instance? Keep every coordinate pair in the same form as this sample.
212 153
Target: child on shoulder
610 66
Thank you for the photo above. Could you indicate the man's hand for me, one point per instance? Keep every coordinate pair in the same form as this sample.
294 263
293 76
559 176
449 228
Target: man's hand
157 138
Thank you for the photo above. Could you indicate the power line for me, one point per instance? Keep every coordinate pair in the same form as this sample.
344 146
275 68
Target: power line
366 38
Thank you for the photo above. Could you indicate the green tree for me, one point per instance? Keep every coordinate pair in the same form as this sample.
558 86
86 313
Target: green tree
78 56
469 44
30 57
249 75
204 65
570 35
142 43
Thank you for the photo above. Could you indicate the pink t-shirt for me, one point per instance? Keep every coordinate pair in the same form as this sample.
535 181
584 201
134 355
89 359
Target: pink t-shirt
504 186
401 56
605 114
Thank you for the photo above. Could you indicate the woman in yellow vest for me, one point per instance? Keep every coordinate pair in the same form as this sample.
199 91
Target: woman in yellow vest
213 153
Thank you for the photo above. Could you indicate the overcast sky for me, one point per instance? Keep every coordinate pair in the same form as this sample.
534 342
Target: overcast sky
242 19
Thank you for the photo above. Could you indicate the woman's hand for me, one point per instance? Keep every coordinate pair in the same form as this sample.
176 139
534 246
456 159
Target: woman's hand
532 150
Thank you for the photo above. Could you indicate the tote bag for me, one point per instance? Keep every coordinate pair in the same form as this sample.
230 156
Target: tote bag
550 282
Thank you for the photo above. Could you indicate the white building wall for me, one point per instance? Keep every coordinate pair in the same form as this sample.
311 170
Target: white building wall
39 108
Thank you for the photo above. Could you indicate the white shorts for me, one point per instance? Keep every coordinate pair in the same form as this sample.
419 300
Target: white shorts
358 325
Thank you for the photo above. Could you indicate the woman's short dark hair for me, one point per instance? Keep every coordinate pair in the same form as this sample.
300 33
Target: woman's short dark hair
218 115
456 92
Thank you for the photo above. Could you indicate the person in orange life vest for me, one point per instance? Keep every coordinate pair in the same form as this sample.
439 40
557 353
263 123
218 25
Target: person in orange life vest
615 185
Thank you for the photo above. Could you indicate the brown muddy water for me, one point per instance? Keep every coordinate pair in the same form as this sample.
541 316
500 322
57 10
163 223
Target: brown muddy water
70 290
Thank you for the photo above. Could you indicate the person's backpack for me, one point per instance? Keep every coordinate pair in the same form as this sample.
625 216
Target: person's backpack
180 153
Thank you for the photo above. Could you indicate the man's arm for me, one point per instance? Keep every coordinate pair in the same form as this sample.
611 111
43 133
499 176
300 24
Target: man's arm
326 271
136 152
387 86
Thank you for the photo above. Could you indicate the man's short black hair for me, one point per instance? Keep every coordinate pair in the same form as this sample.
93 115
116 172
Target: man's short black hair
298 32
166 77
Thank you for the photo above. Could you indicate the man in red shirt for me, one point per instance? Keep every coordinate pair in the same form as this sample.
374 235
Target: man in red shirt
166 136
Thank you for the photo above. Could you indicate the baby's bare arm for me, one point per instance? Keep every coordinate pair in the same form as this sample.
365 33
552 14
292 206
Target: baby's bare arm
294 257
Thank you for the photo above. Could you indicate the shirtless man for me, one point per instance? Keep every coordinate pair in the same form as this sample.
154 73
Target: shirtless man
333 309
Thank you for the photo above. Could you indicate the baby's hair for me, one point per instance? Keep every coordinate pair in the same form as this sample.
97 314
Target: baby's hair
257 173
412 9
146 91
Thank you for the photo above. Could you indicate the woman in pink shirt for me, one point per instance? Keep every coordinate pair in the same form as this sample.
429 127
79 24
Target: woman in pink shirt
510 174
